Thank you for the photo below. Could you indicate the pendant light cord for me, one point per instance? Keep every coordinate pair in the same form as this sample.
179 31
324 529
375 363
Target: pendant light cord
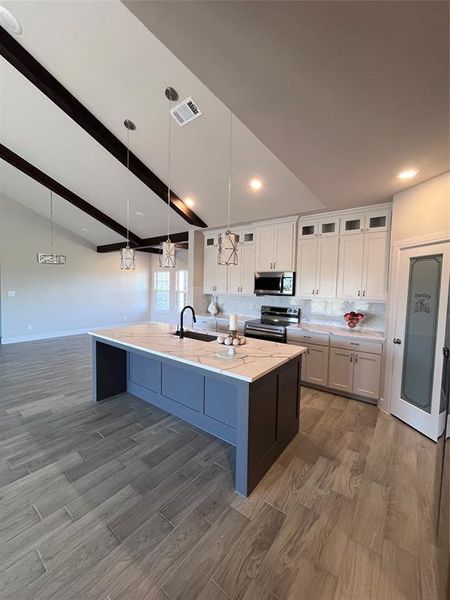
169 172
229 170
51 220
128 188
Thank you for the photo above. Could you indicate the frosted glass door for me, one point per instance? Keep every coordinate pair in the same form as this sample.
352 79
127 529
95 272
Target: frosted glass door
422 288
420 330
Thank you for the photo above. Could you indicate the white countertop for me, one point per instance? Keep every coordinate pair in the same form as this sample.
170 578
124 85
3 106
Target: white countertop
154 338
366 334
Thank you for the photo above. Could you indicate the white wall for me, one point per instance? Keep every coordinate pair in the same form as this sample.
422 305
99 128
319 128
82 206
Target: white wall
422 210
89 292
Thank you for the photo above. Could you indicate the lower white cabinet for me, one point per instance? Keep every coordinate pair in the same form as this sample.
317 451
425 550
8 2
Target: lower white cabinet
366 374
316 365
355 372
341 370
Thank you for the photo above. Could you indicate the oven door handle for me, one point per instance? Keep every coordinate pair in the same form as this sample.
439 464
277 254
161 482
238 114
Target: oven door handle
263 330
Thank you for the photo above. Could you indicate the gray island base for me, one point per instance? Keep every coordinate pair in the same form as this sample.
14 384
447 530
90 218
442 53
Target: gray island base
258 417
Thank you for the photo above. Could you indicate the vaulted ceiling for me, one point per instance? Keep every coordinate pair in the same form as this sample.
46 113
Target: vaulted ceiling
346 94
118 69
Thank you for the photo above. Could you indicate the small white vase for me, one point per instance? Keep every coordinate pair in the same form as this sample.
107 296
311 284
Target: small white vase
212 308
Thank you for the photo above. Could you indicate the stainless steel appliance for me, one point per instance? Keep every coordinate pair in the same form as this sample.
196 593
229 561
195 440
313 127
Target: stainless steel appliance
275 283
272 324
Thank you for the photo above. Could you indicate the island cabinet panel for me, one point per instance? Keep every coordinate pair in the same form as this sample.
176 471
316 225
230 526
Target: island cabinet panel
287 405
109 370
221 401
182 385
263 418
145 371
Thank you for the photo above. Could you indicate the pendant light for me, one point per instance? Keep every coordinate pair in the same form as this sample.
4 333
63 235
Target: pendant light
51 258
127 254
228 254
167 257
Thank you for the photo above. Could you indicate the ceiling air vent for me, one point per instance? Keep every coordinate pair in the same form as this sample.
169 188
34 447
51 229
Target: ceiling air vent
185 112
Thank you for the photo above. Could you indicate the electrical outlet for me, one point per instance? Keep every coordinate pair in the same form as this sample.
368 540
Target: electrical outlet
11 293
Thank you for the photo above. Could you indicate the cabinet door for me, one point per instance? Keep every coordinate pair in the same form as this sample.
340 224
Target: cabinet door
327 267
379 220
374 281
209 268
308 229
341 370
366 377
264 248
353 224
234 276
283 256
247 261
317 365
221 278
307 267
304 363
328 227
350 266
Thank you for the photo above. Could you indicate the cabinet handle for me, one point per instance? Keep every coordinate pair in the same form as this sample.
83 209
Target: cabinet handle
351 357
359 293
317 292
364 293
356 358
354 343
314 291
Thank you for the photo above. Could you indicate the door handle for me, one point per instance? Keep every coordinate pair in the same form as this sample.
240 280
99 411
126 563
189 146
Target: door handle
446 352
397 341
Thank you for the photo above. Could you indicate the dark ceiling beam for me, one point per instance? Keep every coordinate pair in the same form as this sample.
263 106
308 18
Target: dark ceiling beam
38 75
22 165
176 238
150 250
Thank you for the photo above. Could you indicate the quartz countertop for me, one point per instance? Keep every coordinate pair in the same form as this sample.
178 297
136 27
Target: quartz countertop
366 334
154 338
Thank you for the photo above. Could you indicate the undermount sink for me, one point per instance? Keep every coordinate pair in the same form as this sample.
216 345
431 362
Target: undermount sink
196 335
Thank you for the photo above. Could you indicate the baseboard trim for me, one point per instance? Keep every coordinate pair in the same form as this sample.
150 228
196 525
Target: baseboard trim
57 334
334 392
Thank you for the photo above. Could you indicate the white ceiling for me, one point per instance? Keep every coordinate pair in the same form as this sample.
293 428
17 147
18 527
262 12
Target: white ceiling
346 94
118 69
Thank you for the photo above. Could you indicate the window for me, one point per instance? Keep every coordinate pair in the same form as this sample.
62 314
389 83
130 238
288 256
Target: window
181 288
161 291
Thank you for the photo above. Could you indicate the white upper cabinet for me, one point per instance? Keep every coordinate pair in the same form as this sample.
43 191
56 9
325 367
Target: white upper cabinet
327 267
378 220
350 266
363 264
241 277
317 267
353 224
326 227
275 246
307 267
374 279
214 275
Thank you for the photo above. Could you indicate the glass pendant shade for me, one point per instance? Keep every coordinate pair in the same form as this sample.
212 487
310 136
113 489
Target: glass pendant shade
127 259
228 249
167 258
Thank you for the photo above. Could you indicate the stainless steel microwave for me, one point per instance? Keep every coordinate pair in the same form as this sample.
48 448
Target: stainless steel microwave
275 283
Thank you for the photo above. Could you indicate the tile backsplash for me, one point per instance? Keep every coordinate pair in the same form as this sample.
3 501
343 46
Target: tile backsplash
325 312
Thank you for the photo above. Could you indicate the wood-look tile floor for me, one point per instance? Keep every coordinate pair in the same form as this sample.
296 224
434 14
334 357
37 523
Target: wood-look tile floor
122 501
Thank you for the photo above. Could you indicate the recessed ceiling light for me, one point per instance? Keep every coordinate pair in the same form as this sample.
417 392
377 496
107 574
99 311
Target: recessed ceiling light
189 202
255 184
86 230
9 22
407 174
139 213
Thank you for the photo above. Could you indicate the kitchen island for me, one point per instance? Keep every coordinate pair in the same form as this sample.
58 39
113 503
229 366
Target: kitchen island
251 402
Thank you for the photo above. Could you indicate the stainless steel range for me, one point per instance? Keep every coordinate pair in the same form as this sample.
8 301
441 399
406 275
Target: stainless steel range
272 324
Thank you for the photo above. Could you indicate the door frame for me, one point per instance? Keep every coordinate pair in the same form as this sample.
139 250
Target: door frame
441 237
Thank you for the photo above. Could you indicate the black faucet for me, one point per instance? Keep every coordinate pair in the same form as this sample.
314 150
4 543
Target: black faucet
181 329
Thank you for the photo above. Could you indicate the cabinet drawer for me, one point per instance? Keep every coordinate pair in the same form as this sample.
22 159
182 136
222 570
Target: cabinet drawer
308 337
348 343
